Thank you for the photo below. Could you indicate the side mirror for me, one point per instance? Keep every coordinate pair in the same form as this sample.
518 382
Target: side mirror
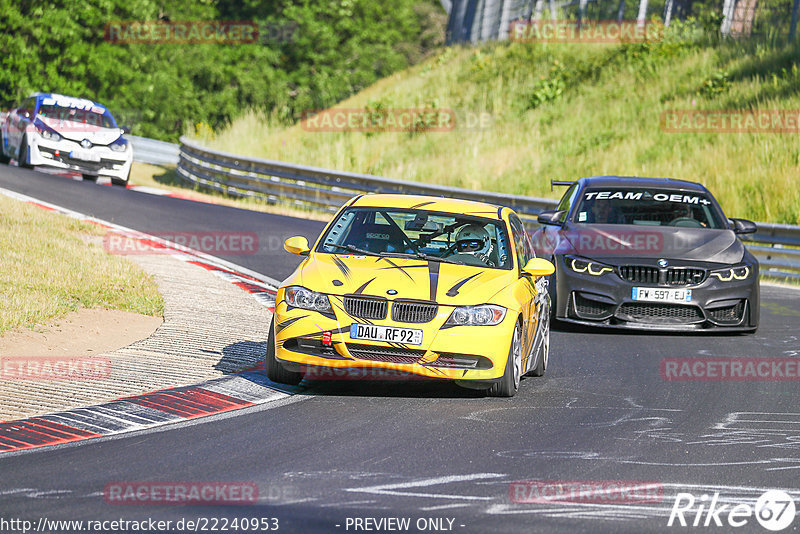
297 245
539 267
743 226
551 217
26 114
126 130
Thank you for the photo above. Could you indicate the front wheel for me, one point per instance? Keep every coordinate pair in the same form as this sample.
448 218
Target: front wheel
90 177
120 181
509 384
24 155
275 371
544 348
552 289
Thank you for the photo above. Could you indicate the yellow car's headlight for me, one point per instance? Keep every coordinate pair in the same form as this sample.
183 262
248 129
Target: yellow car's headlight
580 265
732 273
300 297
484 315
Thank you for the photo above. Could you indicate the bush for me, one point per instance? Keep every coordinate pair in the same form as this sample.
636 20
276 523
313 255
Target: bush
310 55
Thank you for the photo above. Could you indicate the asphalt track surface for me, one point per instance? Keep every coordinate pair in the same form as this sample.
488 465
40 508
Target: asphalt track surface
338 451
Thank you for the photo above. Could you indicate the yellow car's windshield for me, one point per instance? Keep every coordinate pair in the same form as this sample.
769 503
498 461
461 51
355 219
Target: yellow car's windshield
419 233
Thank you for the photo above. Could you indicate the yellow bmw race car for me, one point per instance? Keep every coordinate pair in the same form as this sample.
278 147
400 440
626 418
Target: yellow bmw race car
423 285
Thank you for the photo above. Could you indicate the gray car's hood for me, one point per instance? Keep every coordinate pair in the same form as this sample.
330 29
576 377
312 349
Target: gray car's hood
691 244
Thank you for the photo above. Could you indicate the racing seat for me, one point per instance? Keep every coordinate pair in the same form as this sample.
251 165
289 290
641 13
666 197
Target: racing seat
375 238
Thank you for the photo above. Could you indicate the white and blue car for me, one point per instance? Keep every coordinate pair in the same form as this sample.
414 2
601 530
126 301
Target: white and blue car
64 132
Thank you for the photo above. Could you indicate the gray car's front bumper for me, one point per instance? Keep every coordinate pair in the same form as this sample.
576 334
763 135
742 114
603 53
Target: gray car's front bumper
606 301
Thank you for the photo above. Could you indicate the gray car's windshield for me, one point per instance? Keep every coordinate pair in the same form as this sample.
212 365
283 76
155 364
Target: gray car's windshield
647 207
419 233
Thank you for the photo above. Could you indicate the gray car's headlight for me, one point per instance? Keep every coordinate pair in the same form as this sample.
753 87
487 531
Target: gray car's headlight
742 272
583 266
483 315
300 297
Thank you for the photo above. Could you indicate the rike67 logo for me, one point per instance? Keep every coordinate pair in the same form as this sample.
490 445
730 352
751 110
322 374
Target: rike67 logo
774 510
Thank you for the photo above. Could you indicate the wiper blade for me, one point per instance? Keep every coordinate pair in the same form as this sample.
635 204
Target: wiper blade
420 255
442 260
423 256
351 248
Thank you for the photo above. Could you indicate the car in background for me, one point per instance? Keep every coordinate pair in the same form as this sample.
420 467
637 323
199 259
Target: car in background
68 133
648 253
425 286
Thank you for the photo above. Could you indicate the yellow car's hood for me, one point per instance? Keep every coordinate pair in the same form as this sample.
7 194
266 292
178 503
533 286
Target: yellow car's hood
410 278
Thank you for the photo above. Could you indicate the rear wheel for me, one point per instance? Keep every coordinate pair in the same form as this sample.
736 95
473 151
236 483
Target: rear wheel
509 384
3 158
275 371
90 177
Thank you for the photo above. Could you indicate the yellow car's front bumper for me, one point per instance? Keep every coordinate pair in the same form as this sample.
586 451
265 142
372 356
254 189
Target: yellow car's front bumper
458 353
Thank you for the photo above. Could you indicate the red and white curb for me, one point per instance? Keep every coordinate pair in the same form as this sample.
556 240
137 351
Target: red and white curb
140 412
156 408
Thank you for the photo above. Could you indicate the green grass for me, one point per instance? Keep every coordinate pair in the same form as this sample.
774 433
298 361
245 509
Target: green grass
51 265
561 111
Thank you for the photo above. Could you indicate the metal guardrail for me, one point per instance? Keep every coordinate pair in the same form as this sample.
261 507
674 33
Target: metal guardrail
147 150
777 246
317 188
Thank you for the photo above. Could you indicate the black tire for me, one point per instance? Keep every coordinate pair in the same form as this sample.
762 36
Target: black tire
543 355
551 288
119 181
90 177
3 158
275 371
23 154
509 384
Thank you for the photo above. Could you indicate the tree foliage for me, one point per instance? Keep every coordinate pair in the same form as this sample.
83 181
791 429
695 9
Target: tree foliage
310 54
